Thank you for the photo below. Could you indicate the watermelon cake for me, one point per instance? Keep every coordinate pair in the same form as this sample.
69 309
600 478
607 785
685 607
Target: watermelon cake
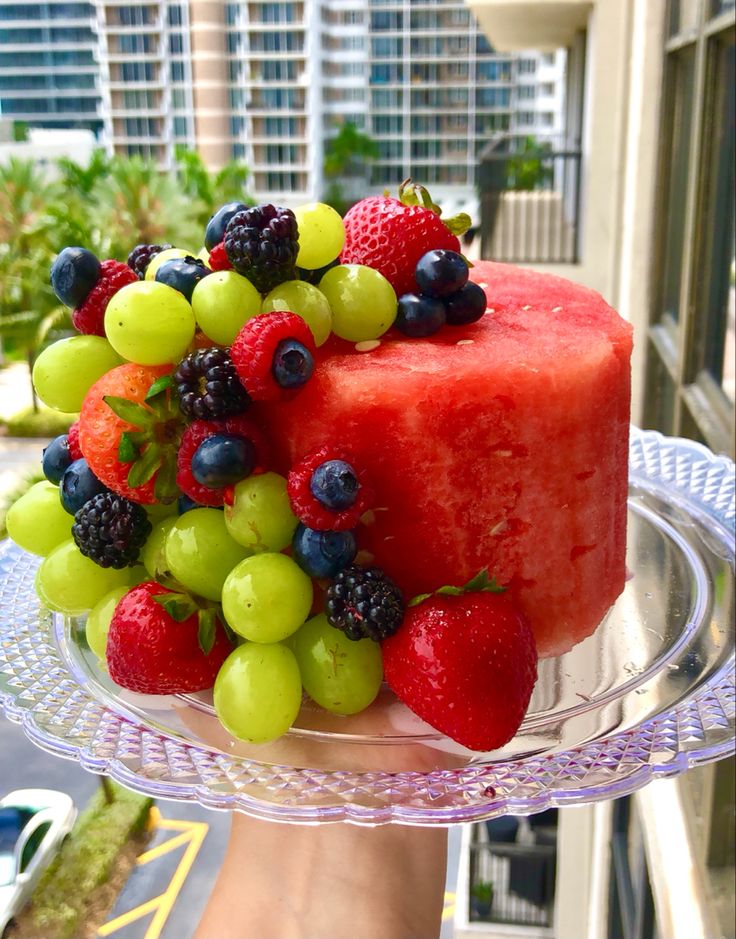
324 456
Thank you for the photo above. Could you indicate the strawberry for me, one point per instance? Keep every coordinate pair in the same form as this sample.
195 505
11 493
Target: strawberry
129 432
391 235
465 661
160 643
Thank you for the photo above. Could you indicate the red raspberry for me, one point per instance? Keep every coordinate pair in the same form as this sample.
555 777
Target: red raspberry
255 345
309 510
194 435
218 259
75 451
89 318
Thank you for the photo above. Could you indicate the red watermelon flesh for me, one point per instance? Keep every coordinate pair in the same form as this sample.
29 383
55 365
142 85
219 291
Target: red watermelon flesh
503 444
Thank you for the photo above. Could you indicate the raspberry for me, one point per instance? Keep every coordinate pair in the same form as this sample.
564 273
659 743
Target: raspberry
262 244
89 318
141 256
218 259
364 604
312 512
255 347
199 431
75 451
208 385
111 530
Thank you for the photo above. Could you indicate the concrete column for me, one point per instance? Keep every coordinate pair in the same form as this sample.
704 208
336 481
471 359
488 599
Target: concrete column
210 81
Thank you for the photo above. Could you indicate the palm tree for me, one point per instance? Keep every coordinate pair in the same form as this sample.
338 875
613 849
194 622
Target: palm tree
211 190
346 155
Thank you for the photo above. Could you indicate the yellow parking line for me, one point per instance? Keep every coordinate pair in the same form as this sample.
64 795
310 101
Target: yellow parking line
449 911
168 898
130 917
163 848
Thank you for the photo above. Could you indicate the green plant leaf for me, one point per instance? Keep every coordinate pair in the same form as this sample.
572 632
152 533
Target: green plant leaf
449 591
420 598
179 606
127 449
165 489
207 630
159 386
129 411
144 468
458 224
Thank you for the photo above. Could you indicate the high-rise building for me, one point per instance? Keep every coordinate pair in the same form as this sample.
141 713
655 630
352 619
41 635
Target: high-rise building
270 82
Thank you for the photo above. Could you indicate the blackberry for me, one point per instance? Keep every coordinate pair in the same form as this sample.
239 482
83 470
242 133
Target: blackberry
365 604
262 244
141 256
208 386
111 530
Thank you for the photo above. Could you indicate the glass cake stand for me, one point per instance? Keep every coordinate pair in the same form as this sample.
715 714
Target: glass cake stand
650 694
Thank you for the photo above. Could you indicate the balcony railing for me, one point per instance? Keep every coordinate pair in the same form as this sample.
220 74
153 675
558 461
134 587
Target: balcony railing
530 201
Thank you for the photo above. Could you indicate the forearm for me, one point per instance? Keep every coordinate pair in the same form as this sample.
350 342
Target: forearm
334 881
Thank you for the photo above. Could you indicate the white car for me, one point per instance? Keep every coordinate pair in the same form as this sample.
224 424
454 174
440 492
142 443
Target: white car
33 825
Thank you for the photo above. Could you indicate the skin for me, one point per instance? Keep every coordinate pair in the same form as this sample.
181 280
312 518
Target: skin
332 881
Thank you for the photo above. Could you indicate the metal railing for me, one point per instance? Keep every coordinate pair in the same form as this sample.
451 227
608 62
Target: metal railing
530 202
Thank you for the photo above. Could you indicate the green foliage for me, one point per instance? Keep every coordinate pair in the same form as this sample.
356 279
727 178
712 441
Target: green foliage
209 191
38 422
482 891
86 861
528 170
346 154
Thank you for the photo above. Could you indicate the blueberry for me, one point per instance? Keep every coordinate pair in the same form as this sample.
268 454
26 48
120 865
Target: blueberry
335 484
223 459
78 485
73 274
419 316
323 553
466 306
440 272
56 459
183 274
292 364
215 231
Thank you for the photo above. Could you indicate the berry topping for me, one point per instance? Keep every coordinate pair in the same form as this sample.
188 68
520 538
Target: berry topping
161 642
466 663
440 272
218 259
140 257
215 231
208 385
262 244
257 352
292 365
364 604
334 484
222 460
75 450
323 553
78 485
89 316
419 316
466 306
192 439
73 274
310 509
111 530
183 274
56 459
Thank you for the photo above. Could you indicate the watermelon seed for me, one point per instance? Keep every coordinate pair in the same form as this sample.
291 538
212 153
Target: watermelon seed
527 307
484 286
465 342
557 309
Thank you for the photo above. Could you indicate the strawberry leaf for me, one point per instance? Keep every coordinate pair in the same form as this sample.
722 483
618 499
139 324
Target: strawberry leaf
179 606
127 449
159 386
144 468
481 582
207 630
129 411
458 224
449 591
165 489
420 598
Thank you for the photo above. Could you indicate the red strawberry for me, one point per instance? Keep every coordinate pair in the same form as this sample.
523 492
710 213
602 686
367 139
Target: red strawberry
151 651
129 442
466 664
391 235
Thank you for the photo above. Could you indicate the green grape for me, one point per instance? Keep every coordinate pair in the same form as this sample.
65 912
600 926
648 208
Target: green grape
98 620
161 258
153 555
341 675
71 583
157 511
321 235
200 553
258 692
66 370
266 597
203 255
362 301
37 521
149 323
305 300
260 517
222 302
